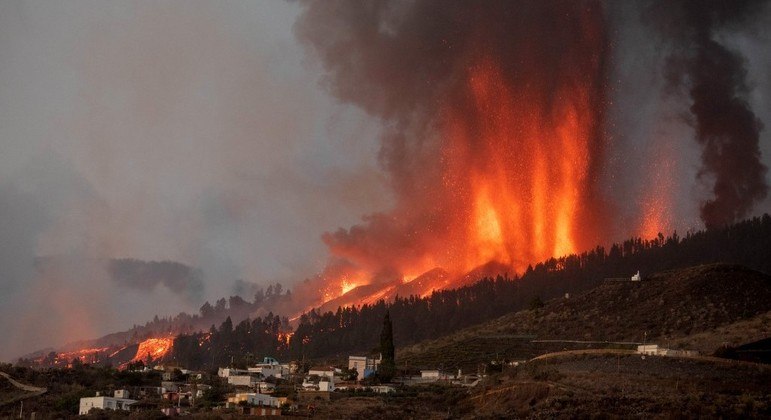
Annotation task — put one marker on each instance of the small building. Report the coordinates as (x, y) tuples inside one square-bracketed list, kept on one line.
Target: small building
[(319, 383), (327, 371), (227, 372), (637, 276), (255, 399), (655, 350), (326, 384), (105, 403), (363, 365), (243, 380), (271, 367), (433, 375), (383, 389)]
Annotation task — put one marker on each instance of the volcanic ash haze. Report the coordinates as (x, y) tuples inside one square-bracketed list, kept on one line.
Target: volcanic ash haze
[(494, 120)]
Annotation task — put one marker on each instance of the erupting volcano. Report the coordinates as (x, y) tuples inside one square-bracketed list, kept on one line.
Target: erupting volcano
[(493, 135)]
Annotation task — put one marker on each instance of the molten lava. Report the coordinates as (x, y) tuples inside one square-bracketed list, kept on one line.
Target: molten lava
[(526, 181), (153, 348)]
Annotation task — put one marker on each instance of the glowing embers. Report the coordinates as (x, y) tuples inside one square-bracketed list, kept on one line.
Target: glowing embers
[(347, 285)]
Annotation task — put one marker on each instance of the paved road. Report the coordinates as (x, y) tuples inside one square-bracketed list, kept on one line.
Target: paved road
[(586, 351)]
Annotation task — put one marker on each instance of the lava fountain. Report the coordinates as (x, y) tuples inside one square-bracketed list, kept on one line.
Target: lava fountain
[(492, 140)]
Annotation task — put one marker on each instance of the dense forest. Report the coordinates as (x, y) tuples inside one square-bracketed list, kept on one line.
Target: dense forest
[(357, 329), (240, 346)]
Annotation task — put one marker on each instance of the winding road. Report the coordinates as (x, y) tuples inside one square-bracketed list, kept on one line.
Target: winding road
[(34, 390)]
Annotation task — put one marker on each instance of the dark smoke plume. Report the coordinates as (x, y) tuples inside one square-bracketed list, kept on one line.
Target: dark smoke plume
[(147, 275), (716, 80), (439, 75)]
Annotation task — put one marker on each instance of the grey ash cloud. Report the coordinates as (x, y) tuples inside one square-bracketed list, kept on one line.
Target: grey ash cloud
[(715, 78), (147, 275)]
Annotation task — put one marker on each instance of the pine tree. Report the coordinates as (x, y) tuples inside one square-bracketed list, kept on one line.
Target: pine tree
[(387, 368)]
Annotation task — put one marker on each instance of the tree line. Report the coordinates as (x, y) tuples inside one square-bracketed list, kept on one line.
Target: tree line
[(357, 329)]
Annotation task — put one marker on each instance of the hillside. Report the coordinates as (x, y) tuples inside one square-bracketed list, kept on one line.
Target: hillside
[(329, 333), (625, 386), (666, 308), (610, 385)]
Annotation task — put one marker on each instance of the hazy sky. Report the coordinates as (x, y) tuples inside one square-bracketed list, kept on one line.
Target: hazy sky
[(143, 129), (200, 132)]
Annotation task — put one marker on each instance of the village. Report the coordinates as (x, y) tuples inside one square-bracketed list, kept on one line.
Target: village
[(273, 388), (270, 388)]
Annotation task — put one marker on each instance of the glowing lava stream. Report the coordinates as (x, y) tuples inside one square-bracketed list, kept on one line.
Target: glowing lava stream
[(155, 348)]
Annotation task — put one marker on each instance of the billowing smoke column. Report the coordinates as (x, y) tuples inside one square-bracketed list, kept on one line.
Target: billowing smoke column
[(493, 115), (715, 78)]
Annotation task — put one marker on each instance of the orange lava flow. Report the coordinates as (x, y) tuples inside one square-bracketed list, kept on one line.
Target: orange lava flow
[(90, 355), (154, 348)]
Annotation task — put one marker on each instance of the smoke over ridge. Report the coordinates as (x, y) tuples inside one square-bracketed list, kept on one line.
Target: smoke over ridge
[(715, 78)]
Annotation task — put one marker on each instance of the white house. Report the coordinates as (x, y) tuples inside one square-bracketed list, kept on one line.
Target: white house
[(383, 389), (327, 371), (365, 366), (106, 403), (253, 398), (649, 349), (655, 350), (319, 382), (275, 370), (227, 372), (637, 276), (327, 384), (434, 375), (243, 380)]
